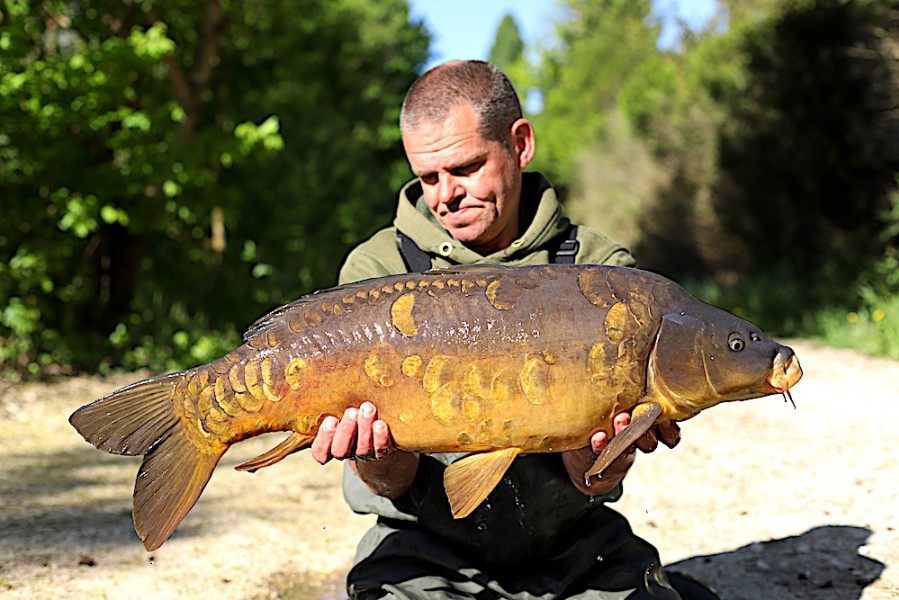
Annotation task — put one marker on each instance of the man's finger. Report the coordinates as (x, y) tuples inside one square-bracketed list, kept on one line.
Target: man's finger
[(321, 445), (598, 441), (669, 433), (364, 445), (648, 441), (344, 443), (621, 421), (383, 443)]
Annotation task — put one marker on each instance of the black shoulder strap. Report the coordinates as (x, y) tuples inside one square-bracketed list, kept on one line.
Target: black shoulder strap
[(416, 259), (566, 251)]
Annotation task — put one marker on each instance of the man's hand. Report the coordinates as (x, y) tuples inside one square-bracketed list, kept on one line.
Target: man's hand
[(578, 462), (358, 435), (362, 437)]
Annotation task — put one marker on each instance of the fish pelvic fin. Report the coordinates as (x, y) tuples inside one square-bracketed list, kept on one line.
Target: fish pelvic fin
[(140, 419), (642, 418), (293, 443), (470, 480)]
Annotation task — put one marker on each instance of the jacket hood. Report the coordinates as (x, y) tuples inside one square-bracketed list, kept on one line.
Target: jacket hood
[(539, 204)]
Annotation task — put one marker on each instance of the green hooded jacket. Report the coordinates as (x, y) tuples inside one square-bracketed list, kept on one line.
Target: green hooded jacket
[(380, 254)]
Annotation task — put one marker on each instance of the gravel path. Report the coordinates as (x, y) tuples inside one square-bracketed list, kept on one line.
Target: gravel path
[(759, 500)]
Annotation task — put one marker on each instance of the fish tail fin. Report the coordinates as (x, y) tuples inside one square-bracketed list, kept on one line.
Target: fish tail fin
[(130, 420), (140, 419), (171, 479)]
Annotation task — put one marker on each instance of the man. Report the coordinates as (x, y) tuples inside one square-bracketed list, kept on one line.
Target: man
[(543, 532)]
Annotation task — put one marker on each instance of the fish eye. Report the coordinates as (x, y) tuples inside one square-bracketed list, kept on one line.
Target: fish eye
[(735, 343)]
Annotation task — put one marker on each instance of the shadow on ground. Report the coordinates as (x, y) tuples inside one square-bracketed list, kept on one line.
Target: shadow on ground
[(822, 563), (57, 500)]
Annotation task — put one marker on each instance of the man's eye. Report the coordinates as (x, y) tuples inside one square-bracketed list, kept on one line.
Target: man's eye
[(429, 178), (468, 169)]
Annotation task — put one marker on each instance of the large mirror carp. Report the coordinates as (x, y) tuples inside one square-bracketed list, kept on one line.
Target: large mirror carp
[(496, 361)]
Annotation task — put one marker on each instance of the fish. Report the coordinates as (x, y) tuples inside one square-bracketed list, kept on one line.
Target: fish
[(489, 360)]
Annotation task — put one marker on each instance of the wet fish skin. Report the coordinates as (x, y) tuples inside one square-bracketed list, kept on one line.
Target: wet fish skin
[(493, 360)]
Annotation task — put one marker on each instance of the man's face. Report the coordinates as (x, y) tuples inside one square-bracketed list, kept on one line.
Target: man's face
[(471, 184)]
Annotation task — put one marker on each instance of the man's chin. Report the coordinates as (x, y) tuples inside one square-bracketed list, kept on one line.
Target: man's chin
[(464, 230), (469, 235)]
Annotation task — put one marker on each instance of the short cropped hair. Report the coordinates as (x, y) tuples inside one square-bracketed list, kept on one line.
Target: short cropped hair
[(477, 83)]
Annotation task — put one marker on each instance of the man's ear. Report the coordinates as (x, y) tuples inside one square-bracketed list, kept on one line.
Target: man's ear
[(523, 141)]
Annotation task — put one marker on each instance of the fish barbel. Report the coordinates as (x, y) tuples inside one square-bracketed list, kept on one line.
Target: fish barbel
[(495, 361)]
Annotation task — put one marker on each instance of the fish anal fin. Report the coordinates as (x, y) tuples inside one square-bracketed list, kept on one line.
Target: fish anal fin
[(294, 442), (169, 482), (642, 418), (469, 480)]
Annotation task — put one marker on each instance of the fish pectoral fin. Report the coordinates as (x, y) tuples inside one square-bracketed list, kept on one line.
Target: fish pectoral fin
[(294, 442), (469, 480), (642, 418)]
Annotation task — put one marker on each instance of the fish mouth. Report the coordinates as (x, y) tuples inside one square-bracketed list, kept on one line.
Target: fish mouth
[(785, 373)]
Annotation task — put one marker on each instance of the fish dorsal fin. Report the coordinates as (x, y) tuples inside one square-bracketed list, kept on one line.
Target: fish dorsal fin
[(468, 481), (294, 442), (270, 320), (642, 418), (482, 269), (335, 295)]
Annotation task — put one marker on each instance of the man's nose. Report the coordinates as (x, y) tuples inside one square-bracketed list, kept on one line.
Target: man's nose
[(449, 188)]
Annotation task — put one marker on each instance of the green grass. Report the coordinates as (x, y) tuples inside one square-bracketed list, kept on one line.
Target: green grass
[(872, 329), (863, 319)]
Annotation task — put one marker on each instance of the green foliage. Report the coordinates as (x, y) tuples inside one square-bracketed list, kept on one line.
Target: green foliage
[(507, 48), (808, 151), (616, 180), (871, 322), (773, 142), (637, 137), (883, 278), (507, 52), (864, 318), (171, 170), (776, 300), (600, 46), (758, 159), (872, 329), (650, 91)]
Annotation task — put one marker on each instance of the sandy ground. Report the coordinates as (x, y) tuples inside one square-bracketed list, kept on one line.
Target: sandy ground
[(760, 500)]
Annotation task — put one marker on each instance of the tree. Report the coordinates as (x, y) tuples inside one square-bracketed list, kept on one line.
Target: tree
[(809, 151), (600, 45), (507, 52), (172, 169), (507, 48)]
